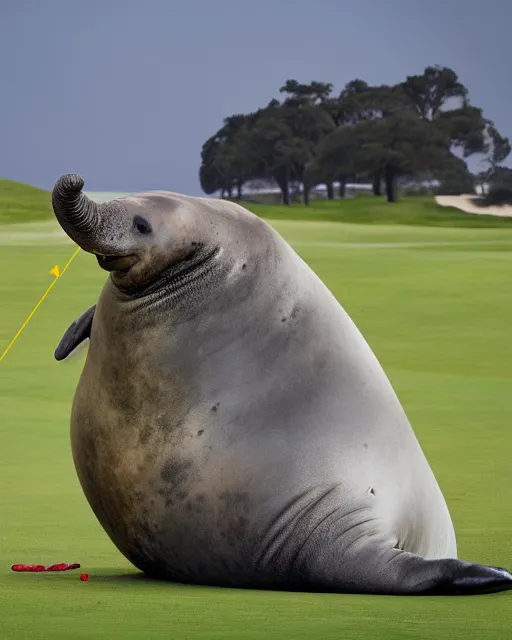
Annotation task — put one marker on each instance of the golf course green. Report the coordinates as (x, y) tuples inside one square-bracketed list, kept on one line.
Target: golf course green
[(435, 305)]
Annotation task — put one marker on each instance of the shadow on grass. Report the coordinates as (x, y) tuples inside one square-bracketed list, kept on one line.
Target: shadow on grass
[(135, 578), (124, 577)]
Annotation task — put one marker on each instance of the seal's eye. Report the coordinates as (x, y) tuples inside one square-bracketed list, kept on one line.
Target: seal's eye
[(142, 225)]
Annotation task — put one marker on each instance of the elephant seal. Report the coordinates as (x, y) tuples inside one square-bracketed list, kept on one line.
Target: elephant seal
[(231, 426)]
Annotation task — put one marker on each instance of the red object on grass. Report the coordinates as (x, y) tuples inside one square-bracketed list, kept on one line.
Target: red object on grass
[(36, 568), (84, 577)]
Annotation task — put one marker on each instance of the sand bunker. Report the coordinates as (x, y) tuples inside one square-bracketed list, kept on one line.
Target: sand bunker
[(465, 203)]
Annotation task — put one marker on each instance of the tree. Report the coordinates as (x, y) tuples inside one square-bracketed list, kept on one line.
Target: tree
[(398, 145), (500, 188), (271, 148), (223, 166), (379, 132), (309, 121), (359, 102), (341, 110), (213, 172), (430, 91), (454, 176), (373, 137), (314, 93), (466, 129), (498, 147), (337, 153), (470, 133)]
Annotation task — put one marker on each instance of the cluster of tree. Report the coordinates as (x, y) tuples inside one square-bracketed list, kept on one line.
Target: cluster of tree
[(424, 126), (499, 187)]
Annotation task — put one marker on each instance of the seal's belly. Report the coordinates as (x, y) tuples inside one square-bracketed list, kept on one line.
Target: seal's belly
[(159, 486), (183, 494)]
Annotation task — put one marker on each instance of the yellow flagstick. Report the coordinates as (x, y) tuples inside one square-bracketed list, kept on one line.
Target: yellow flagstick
[(55, 272)]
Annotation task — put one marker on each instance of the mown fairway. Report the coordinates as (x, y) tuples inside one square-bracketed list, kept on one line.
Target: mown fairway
[(436, 307)]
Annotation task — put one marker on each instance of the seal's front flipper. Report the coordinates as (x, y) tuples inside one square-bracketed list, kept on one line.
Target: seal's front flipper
[(77, 332)]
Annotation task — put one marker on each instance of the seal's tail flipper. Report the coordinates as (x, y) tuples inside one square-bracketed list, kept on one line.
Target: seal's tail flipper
[(449, 577), (404, 573), (379, 570)]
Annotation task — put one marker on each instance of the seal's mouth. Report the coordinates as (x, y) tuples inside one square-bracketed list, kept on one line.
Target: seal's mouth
[(123, 264)]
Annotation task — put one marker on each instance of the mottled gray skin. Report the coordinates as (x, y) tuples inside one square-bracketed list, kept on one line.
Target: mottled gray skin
[(234, 428)]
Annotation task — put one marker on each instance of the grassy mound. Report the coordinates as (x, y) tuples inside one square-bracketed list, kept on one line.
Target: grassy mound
[(22, 203)]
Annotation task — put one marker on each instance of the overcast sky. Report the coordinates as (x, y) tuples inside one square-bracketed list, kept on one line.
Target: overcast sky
[(125, 92)]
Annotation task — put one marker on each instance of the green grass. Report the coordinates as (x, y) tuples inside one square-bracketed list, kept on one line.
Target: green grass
[(438, 316), (410, 210), (22, 203)]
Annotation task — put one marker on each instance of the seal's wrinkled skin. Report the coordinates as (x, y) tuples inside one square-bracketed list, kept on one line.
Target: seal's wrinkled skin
[(231, 426)]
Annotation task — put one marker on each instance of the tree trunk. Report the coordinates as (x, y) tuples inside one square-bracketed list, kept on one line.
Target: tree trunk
[(376, 183), (284, 185), (305, 192), (230, 192), (285, 188), (239, 191), (390, 186), (342, 188), (223, 193), (330, 191)]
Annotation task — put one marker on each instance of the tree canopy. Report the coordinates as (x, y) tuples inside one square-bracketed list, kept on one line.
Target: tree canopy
[(422, 126)]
